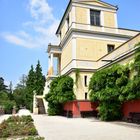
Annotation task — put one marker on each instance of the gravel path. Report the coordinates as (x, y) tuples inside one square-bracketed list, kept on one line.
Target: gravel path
[(61, 128)]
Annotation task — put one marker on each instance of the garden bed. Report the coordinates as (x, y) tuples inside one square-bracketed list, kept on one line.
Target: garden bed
[(19, 127)]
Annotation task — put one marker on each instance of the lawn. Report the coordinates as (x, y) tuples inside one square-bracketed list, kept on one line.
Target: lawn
[(19, 127)]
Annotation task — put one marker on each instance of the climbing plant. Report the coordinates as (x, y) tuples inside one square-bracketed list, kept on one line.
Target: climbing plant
[(105, 87), (77, 76), (113, 86), (61, 91)]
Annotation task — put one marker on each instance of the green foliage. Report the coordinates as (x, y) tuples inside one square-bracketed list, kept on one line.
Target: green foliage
[(25, 119), (132, 90), (106, 86), (35, 81), (39, 80), (113, 86), (77, 76), (17, 126), (3, 87), (109, 110), (61, 91), (6, 103)]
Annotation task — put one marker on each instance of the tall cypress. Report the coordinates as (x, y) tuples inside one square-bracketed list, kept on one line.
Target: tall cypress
[(39, 80), (30, 87)]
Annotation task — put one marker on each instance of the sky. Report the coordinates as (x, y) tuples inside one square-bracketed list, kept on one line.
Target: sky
[(28, 26)]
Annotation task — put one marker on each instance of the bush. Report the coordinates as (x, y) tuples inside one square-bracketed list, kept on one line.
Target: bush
[(8, 106), (17, 126), (61, 91), (106, 87)]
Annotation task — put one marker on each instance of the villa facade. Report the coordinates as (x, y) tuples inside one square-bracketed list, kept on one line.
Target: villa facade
[(90, 39)]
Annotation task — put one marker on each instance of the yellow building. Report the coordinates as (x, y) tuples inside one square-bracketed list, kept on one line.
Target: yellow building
[(90, 39)]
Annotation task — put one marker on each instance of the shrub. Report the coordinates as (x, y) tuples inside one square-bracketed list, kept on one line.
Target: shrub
[(105, 87), (17, 126), (8, 106), (61, 91)]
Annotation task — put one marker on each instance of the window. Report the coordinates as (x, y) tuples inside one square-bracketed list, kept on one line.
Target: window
[(95, 17), (85, 81), (60, 34), (86, 94), (110, 48), (68, 22)]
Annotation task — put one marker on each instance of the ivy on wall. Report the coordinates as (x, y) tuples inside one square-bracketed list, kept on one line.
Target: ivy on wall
[(61, 91), (105, 87), (113, 86), (77, 76)]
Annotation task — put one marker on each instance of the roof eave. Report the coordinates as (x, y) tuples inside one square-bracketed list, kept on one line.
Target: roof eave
[(63, 16)]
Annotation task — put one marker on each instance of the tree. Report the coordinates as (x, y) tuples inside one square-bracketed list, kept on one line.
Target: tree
[(3, 87), (30, 87), (5, 101), (22, 82), (20, 97), (39, 80), (30, 83), (11, 91)]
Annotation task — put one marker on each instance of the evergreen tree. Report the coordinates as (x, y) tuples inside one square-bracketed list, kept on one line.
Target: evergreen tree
[(39, 80), (30, 83), (30, 87), (3, 87)]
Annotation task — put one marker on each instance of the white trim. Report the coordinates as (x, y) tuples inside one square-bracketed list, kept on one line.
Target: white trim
[(102, 18), (94, 7), (73, 14), (74, 49), (100, 37), (68, 67), (81, 65), (88, 18), (86, 64), (109, 5), (116, 21)]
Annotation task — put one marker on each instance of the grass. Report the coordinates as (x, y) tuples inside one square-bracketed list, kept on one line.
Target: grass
[(16, 126)]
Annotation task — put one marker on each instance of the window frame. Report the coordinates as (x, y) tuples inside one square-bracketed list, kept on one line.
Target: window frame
[(95, 16), (112, 49), (86, 96), (85, 80)]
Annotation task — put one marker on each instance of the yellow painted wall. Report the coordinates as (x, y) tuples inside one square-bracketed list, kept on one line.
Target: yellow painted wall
[(81, 15), (63, 30), (66, 55), (91, 49), (109, 19), (80, 90)]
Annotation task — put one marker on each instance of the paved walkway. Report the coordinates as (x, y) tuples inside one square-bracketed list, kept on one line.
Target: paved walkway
[(4, 117), (61, 128)]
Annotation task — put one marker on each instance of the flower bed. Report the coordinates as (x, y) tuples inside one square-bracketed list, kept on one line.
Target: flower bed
[(16, 126)]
